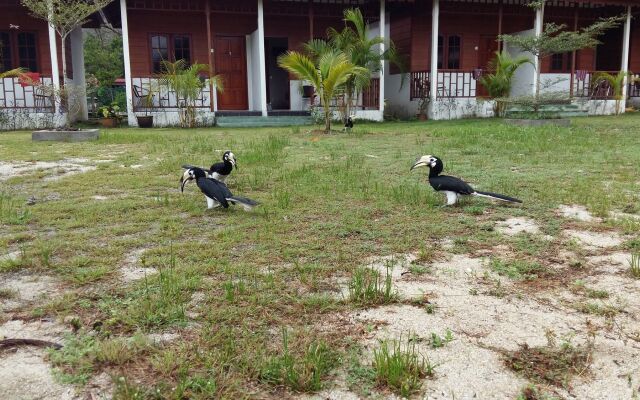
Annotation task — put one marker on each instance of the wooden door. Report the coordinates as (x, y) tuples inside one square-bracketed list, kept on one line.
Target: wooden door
[(486, 53), (231, 64)]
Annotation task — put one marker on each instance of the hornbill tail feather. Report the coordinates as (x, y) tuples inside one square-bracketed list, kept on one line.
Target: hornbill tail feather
[(245, 202), (497, 196)]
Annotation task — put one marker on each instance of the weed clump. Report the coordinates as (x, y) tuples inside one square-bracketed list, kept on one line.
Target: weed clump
[(367, 287), (399, 366), (551, 364), (301, 372)]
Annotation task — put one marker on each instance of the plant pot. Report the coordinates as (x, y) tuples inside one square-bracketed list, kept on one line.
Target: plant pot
[(145, 121), (422, 117), (109, 122)]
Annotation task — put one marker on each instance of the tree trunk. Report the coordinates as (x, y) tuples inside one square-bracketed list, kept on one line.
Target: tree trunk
[(538, 78), (327, 119), (64, 94)]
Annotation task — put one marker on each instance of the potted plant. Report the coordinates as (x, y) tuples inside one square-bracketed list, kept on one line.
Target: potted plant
[(187, 82), (423, 105), (109, 114), (146, 120), (497, 82)]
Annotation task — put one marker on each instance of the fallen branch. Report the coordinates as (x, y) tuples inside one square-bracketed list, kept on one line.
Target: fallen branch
[(6, 343)]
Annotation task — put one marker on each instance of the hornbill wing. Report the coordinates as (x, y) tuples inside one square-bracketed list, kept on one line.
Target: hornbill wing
[(217, 167), (450, 183), (215, 190)]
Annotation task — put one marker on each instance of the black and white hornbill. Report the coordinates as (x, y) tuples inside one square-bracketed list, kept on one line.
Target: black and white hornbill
[(348, 122), (221, 170), (451, 186), (216, 192)]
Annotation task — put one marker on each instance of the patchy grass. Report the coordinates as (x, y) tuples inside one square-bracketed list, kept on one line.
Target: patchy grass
[(551, 364), (325, 209), (634, 265), (518, 269), (368, 288), (535, 392), (300, 372), (399, 366)]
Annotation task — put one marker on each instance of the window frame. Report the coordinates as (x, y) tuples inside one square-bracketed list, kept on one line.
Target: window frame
[(15, 54), (170, 47), (566, 63), (444, 51)]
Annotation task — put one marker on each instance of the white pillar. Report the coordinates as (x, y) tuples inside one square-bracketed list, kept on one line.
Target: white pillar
[(537, 27), (435, 16), (131, 117), (383, 28), (77, 57), (262, 60), (55, 70), (625, 57)]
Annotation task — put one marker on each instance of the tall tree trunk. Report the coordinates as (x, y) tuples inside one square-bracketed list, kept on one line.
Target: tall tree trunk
[(327, 119), (538, 75), (64, 94)]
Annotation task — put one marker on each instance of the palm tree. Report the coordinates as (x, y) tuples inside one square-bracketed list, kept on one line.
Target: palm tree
[(615, 82), (12, 73), (186, 81), (327, 72), (498, 82), (361, 49)]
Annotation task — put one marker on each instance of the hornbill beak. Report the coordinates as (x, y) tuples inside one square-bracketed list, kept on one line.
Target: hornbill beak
[(421, 162), (417, 165), (234, 163), (184, 179)]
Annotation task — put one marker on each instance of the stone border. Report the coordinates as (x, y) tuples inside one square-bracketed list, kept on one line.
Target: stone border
[(538, 122), (65, 136)]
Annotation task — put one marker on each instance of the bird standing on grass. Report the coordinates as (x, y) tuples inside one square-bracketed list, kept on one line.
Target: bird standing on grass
[(451, 186), (348, 123), (216, 192), (221, 170)]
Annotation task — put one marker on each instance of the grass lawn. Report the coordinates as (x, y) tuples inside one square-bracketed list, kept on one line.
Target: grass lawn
[(258, 299)]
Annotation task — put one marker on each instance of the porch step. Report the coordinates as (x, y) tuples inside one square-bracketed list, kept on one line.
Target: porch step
[(559, 110), (252, 121)]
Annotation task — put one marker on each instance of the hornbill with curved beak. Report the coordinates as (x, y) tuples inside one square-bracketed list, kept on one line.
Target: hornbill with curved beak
[(221, 170), (216, 192), (451, 186)]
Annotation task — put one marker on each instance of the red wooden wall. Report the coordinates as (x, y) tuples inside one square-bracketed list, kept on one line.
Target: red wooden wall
[(411, 32), (18, 15)]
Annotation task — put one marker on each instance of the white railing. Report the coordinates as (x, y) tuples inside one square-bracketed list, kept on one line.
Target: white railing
[(162, 96), (23, 94)]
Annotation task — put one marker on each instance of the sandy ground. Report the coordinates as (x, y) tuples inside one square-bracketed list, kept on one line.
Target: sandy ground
[(24, 373), (461, 293), (132, 269), (55, 169), (485, 313)]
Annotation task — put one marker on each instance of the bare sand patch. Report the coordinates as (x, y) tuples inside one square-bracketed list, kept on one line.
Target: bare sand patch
[(464, 368), (577, 212), (24, 374), (163, 338), (11, 256), (615, 372), (132, 270), (516, 225), (614, 263), (595, 240), (27, 289), (56, 169), (623, 216)]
